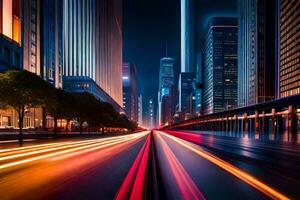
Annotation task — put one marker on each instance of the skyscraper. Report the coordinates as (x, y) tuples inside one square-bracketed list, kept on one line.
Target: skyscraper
[(31, 42), (130, 96), (187, 36), (150, 114), (289, 48), (10, 35), (52, 41), (256, 51), (166, 81), (220, 69), (185, 89), (92, 44)]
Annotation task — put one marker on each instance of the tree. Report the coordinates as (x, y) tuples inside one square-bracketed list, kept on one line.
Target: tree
[(21, 90)]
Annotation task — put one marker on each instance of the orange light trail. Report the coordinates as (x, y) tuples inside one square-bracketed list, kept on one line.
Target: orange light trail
[(73, 148), (267, 190)]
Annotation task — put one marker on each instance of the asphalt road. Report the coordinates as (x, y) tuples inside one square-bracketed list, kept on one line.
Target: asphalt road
[(85, 169), (219, 166)]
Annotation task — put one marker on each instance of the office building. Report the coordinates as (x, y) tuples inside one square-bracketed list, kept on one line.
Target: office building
[(256, 51), (166, 82), (10, 35), (51, 17), (130, 96), (92, 43), (31, 41), (187, 36), (185, 89), (289, 72), (220, 69)]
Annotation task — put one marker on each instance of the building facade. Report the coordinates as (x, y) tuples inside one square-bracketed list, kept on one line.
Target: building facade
[(187, 36), (256, 51), (166, 82), (289, 72), (130, 96), (220, 69), (52, 41), (140, 110), (10, 35), (31, 42), (185, 89), (92, 43)]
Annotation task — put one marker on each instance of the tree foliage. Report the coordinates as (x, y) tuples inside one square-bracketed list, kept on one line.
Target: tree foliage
[(21, 90)]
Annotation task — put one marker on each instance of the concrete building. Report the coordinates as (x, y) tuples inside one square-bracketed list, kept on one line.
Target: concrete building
[(220, 69), (130, 96), (289, 72), (256, 51)]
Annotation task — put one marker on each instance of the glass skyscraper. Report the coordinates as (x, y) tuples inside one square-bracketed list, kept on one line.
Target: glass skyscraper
[(166, 81), (187, 36), (256, 51), (289, 48), (92, 44), (220, 68), (51, 47)]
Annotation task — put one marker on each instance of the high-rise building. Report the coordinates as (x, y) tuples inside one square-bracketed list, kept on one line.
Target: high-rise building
[(220, 69), (130, 96), (140, 110), (10, 35), (92, 44), (51, 46), (166, 81), (150, 114), (187, 36), (256, 51), (31, 41), (198, 85), (185, 89), (289, 47)]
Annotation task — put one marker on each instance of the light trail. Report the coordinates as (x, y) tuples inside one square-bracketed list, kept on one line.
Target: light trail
[(15, 141), (128, 182), (259, 185), (20, 149), (187, 186), (56, 147), (92, 146)]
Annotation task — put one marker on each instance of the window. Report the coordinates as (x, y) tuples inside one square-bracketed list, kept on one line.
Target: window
[(7, 18), (1, 16)]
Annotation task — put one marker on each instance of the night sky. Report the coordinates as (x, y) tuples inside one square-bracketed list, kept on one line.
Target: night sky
[(148, 24)]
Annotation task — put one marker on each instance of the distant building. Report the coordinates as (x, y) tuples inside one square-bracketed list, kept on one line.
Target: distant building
[(150, 115), (51, 29), (256, 51), (220, 69), (185, 89), (89, 50), (130, 96), (289, 48), (166, 82), (198, 88), (140, 110)]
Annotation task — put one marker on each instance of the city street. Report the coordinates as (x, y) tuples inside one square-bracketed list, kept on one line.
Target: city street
[(189, 165)]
